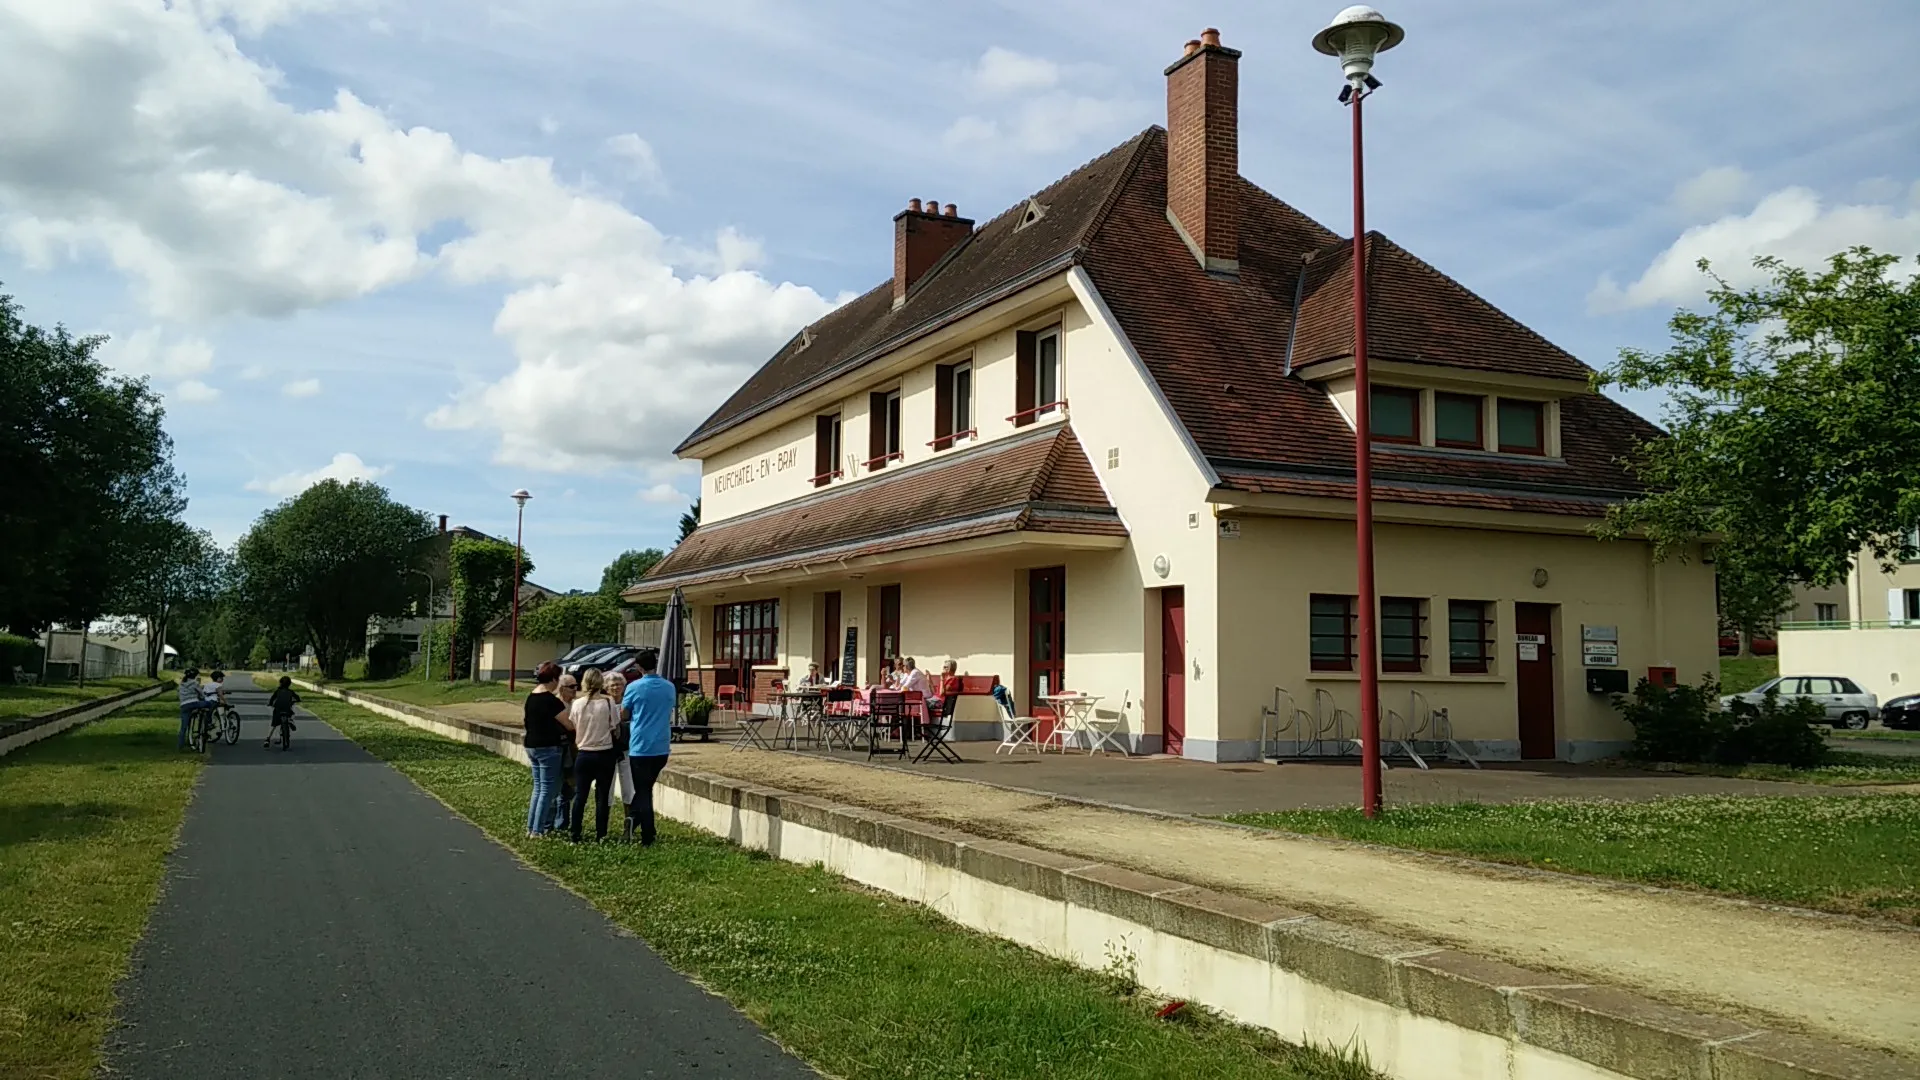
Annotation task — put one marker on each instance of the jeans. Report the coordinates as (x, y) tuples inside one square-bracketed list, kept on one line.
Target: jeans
[(593, 767), (543, 810), (645, 771), (187, 709)]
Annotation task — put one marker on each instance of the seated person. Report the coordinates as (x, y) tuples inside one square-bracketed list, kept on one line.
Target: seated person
[(949, 680), (813, 680), (912, 679)]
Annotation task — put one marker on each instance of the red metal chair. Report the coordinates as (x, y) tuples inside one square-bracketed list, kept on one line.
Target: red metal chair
[(728, 697)]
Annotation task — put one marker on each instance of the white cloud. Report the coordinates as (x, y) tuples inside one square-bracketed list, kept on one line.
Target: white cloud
[(254, 371), (1791, 223), (662, 493), (641, 162), (302, 388), (159, 145), (1714, 191), (147, 352), (344, 467), (194, 392), (1003, 71), (1027, 108)]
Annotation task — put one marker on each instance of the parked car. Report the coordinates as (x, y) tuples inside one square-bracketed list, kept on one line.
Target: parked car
[(1760, 646), (1846, 704), (1902, 713), (581, 652), (606, 658)]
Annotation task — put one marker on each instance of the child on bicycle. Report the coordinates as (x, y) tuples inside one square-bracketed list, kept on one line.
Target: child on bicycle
[(283, 700)]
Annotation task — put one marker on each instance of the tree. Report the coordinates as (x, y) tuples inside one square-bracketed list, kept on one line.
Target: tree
[(572, 619), (625, 572), (329, 559), (163, 565), (85, 457), (482, 574), (1794, 410), (689, 521)]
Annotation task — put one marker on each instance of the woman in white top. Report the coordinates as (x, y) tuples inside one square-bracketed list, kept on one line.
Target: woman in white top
[(591, 718)]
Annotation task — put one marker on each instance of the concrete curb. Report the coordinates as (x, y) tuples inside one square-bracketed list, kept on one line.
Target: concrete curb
[(1421, 1011), (25, 731)]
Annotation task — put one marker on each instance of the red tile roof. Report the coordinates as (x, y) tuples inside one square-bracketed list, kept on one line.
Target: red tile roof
[(1037, 482), (1219, 346)]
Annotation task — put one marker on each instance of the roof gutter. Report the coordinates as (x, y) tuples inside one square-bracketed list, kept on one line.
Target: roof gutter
[(905, 337)]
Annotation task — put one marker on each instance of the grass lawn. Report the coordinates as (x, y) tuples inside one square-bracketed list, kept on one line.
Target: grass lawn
[(428, 692), (36, 700), (1850, 854), (857, 983), (86, 820), (1877, 733), (1738, 676)]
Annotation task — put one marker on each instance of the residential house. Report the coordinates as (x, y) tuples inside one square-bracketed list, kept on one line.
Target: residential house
[(497, 653), (1104, 442), (1879, 647)]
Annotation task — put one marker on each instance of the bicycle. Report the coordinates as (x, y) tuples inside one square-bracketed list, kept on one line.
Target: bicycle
[(212, 724), (229, 724)]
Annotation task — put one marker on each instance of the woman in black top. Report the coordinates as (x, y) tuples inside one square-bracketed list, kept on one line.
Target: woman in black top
[(545, 742)]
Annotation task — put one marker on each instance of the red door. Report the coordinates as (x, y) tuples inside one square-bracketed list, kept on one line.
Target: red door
[(1533, 625), (828, 655), (1046, 640), (1173, 668), (889, 628)]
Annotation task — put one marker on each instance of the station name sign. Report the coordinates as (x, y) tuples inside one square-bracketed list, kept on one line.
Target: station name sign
[(769, 464)]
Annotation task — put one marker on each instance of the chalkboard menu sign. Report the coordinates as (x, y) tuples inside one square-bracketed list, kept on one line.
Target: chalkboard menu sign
[(850, 658)]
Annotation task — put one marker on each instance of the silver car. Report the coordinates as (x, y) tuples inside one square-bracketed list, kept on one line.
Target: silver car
[(1846, 704)]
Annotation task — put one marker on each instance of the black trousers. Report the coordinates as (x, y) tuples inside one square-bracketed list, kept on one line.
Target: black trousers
[(645, 771), (593, 767)]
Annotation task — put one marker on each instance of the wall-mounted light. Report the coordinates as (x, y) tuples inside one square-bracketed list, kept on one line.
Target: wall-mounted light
[(1162, 566), (1540, 577)]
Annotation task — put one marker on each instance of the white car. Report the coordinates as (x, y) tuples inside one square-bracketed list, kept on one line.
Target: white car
[(1846, 704)]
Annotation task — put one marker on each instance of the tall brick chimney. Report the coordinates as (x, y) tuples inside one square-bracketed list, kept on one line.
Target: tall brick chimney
[(921, 237), (1203, 151)]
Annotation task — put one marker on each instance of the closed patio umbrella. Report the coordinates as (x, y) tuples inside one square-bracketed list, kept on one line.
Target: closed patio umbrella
[(673, 644)]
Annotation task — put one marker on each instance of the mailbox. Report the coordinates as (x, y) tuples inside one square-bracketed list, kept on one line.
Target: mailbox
[(1663, 676), (1606, 681)]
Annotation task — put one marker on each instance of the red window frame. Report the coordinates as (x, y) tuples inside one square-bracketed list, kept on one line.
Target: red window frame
[(1399, 392), (1321, 607), (746, 633), (1479, 421), (1539, 410)]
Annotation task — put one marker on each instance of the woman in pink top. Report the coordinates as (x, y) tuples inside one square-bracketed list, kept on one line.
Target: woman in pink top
[(591, 718)]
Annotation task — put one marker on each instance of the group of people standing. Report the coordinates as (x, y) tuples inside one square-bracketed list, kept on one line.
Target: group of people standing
[(596, 732)]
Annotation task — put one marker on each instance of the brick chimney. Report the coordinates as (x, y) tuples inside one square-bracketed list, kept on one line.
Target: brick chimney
[(1203, 151), (921, 237), (443, 523)]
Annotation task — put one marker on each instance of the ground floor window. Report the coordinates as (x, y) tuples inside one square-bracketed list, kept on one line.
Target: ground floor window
[(1469, 636), (1330, 624), (1403, 638), (747, 633)]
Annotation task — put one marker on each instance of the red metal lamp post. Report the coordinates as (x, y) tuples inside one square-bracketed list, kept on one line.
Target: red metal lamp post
[(520, 497), (1355, 36)]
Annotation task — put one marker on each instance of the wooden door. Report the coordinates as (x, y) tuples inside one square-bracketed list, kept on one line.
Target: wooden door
[(1046, 640), (1533, 627), (828, 654), (1173, 668)]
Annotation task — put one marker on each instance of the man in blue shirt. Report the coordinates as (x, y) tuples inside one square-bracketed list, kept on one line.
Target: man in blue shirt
[(649, 703)]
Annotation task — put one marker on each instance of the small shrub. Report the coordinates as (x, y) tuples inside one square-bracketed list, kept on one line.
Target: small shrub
[(20, 652), (1774, 732), (697, 708), (387, 659), (1677, 723)]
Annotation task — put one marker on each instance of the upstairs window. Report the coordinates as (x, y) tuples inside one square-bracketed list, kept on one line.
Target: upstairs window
[(883, 429), (1395, 414), (1330, 621), (826, 449), (952, 404), (1036, 390), (1457, 421), (1523, 427)]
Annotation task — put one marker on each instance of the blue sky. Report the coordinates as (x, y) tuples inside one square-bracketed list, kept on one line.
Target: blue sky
[(469, 247)]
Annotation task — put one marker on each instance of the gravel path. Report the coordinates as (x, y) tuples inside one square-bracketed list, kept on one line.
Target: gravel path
[(324, 917)]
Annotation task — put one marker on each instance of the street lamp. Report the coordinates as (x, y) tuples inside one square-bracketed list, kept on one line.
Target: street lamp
[(520, 497), (1354, 36)]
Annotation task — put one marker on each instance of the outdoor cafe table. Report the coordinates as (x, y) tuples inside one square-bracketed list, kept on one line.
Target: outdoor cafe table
[(1075, 713), (801, 707)]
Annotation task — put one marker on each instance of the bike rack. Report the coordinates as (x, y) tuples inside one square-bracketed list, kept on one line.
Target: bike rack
[(1280, 717)]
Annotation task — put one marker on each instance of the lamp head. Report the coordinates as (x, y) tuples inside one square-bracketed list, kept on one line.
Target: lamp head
[(1354, 36), (521, 496)]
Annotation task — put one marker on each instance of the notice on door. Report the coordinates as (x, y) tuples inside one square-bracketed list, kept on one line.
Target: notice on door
[(1529, 650)]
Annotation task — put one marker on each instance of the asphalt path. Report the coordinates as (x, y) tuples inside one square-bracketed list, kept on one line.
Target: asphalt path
[(324, 917)]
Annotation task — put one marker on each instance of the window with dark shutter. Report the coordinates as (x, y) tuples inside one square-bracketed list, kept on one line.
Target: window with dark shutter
[(826, 449), (1026, 348), (942, 406), (883, 429)]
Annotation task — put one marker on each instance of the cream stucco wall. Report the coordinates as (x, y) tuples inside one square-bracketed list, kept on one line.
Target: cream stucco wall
[(1870, 585), (1664, 615), (1886, 662)]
